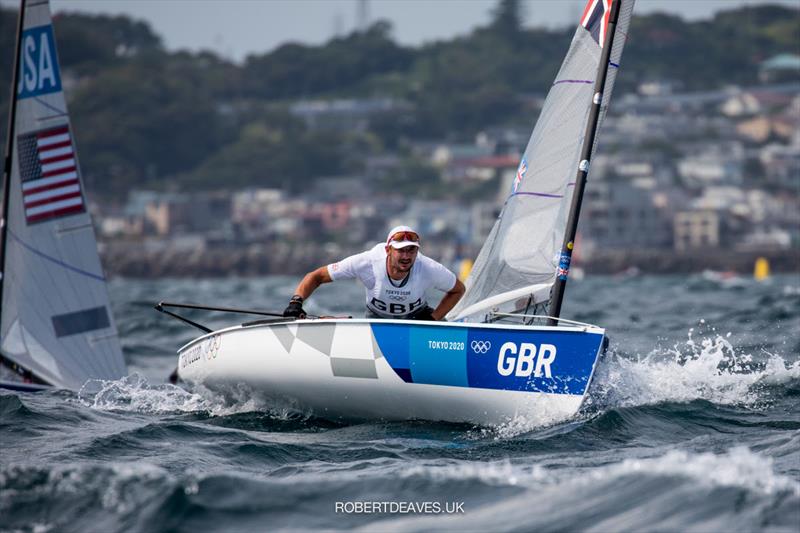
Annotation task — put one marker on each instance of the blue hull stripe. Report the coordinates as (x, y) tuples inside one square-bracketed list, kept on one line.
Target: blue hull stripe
[(558, 362)]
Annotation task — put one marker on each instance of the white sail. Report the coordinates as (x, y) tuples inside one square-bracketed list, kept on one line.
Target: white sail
[(523, 247), (56, 319)]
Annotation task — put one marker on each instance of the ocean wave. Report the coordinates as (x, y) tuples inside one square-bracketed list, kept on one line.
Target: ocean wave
[(11, 407), (738, 467), (710, 368), (135, 394), (141, 495), (791, 290), (672, 491), (86, 497), (492, 473)]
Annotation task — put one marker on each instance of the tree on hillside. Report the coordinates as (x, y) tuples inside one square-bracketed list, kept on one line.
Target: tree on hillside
[(140, 123), (265, 156), (297, 71), (109, 40), (709, 53), (507, 19)]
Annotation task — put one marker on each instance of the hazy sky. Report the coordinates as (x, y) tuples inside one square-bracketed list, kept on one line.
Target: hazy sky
[(235, 28)]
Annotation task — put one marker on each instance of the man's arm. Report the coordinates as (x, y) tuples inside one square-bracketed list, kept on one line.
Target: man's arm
[(449, 301), (309, 284), (311, 281)]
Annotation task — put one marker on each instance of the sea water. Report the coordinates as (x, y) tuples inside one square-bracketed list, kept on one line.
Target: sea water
[(692, 424)]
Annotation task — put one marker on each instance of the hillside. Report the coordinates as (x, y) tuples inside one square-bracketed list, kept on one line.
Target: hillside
[(145, 117)]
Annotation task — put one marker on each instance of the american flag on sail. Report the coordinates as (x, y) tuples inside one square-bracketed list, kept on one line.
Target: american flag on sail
[(49, 175), (595, 19)]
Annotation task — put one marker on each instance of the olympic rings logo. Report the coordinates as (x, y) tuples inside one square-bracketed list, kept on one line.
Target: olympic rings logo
[(480, 346), (211, 347)]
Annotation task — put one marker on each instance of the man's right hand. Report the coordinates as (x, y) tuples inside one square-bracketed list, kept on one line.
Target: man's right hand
[(295, 308)]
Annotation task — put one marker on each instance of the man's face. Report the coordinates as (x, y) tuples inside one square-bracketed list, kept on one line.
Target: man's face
[(402, 259)]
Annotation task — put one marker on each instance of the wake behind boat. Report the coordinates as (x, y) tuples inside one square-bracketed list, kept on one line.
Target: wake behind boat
[(56, 326), (505, 353)]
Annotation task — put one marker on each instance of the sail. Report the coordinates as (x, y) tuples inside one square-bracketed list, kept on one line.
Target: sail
[(519, 261), (56, 319)]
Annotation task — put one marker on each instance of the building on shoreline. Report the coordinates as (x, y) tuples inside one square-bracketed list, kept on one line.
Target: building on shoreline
[(717, 172)]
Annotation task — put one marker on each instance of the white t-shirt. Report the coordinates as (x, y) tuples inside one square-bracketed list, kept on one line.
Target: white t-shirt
[(390, 298)]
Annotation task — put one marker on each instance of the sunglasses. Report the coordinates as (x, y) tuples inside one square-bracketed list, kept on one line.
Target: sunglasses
[(401, 236)]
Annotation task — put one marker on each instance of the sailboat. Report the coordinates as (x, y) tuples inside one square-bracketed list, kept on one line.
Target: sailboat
[(505, 353), (56, 325)]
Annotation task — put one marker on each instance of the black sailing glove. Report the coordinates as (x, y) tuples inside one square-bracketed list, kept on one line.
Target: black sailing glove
[(295, 308), (425, 314)]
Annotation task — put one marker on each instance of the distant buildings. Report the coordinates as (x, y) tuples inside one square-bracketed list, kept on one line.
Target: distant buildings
[(696, 230), (626, 214), (691, 173), (346, 114)]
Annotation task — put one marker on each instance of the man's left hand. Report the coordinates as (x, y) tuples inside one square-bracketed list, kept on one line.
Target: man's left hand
[(425, 314), (295, 309)]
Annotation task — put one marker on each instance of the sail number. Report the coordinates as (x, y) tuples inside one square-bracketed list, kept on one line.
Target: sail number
[(38, 63)]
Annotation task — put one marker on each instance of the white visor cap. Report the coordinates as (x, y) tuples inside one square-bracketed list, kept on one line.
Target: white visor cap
[(402, 243)]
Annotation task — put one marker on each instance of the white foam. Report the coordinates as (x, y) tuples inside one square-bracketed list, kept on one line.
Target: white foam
[(493, 473), (134, 394), (738, 467), (791, 290), (496, 473), (35, 527), (520, 425), (711, 369)]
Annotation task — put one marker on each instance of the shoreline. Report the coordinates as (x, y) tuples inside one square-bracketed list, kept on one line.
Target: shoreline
[(297, 260)]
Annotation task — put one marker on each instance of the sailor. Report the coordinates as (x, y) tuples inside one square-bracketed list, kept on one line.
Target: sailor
[(396, 277)]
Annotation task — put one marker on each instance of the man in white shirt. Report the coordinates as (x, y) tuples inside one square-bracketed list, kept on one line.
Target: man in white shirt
[(396, 277)]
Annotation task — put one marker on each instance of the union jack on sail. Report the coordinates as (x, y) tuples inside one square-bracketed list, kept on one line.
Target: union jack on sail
[(521, 170), (595, 19), (49, 175)]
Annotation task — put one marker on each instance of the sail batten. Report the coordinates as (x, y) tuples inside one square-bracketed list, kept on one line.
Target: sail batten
[(523, 248), (56, 321)]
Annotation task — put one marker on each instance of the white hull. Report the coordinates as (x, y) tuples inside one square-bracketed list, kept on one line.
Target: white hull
[(400, 370)]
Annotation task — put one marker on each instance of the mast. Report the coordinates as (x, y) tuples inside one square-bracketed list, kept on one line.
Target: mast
[(12, 117), (583, 168)]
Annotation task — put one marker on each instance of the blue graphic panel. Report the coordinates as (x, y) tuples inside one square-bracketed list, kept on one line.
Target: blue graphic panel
[(438, 355), (39, 73), (557, 362), (392, 339)]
